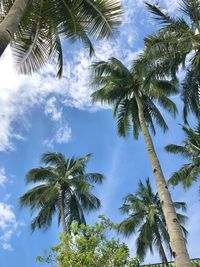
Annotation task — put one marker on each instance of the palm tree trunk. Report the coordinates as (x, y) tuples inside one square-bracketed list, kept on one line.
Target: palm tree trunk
[(62, 212), (11, 22), (177, 242), (161, 249)]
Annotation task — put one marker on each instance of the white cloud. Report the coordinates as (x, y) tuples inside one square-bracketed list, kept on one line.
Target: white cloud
[(172, 5), (7, 217), (52, 110), (20, 94), (62, 136), (7, 246), (63, 132), (8, 225), (131, 7), (2, 176)]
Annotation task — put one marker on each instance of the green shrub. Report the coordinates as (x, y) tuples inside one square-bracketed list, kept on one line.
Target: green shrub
[(89, 246)]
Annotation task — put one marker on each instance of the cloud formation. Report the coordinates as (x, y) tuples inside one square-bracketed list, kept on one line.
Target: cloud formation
[(52, 110), (2, 176), (62, 135), (20, 94), (8, 225)]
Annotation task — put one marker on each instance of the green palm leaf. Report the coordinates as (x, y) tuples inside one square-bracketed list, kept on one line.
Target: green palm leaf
[(189, 172), (177, 40), (35, 34)]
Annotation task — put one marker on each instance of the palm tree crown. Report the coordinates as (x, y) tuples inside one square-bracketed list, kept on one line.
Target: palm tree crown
[(35, 28), (189, 172), (177, 44), (145, 218), (63, 187), (119, 86)]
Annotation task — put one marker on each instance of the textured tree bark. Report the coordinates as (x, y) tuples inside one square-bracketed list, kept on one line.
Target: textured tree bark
[(62, 211), (177, 242), (11, 22)]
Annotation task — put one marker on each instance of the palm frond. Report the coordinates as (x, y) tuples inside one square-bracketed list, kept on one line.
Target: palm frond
[(89, 201), (180, 205), (160, 88), (191, 94), (103, 16), (53, 159), (56, 51), (32, 42), (162, 17), (134, 118), (158, 242), (36, 196), (73, 211), (155, 113), (187, 175), (123, 118), (182, 218), (93, 177), (77, 166), (4, 8), (129, 225), (41, 175), (45, 215), (144, 240), (176, 149), (191, 9)]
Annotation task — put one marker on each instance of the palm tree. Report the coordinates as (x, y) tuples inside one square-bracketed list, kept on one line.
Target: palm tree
[(34, 28), (145, 217), (177, 44), (134, 99), (189, 172), (62, 187)]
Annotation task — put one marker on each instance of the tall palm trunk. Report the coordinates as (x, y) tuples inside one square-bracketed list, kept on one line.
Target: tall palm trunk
[(177, 242), (161, 249), (62, 210), (11, 22)]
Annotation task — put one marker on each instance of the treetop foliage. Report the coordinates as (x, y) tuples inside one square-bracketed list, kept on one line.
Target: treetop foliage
[(90, 246)]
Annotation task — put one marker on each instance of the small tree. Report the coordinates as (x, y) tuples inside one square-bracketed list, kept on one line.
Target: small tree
[(89, 246)]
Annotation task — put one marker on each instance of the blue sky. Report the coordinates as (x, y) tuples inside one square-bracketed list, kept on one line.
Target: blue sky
[(41, 113)]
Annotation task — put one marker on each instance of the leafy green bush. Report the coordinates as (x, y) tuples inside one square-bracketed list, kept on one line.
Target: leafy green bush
[(89, 246)]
